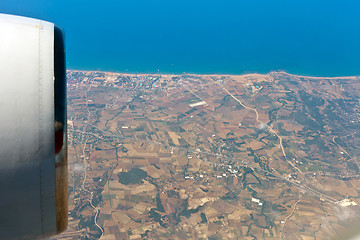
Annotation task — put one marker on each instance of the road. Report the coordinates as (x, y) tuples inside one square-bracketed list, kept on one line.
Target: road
[(343, 150), (282, 235), (97, 211)]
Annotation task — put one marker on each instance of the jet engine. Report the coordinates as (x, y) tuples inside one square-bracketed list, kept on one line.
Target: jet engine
[(33, 137)]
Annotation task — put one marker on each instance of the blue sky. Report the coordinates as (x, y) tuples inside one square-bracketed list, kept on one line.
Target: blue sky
[(204, 36)]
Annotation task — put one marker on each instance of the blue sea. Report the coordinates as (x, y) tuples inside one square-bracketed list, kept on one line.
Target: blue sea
[(317, 38)]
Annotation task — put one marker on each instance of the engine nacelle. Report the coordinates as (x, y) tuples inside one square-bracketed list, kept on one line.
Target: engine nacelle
[(33, 137)]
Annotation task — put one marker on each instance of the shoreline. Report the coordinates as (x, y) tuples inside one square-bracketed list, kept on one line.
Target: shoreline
[(271, 73)]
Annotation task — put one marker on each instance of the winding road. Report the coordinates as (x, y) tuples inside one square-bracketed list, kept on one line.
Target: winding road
[(268, 127)]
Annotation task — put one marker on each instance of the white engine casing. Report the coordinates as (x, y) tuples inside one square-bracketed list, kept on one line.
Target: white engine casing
[(27, 153)]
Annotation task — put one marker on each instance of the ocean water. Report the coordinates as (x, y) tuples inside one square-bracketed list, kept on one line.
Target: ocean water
[(317, 38)]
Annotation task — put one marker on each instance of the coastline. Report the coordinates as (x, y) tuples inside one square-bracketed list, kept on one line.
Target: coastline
[(271, 73)]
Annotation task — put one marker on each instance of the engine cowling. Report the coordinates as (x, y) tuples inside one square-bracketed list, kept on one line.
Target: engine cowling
[(33, 137)]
